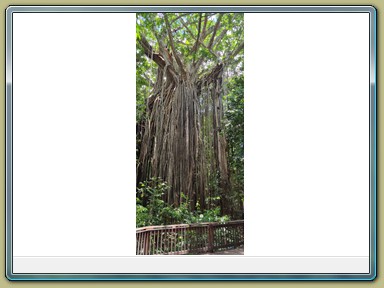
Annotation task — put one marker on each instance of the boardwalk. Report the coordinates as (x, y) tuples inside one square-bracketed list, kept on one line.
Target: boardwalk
[(237, 251), (192, 239)]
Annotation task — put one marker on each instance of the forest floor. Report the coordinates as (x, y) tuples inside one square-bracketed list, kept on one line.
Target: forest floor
[(238, 251)]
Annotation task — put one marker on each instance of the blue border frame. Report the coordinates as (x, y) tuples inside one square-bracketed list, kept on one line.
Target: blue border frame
[(197, 277)]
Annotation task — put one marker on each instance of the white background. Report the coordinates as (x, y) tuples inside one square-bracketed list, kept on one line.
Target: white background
[(306, 135), (73, 134)]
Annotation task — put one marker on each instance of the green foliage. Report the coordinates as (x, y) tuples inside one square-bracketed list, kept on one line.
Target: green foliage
[(151, 209), (235, 138), (235, 116), (212, 215)]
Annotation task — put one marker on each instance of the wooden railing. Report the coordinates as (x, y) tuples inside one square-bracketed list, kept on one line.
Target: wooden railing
[(189, 238)]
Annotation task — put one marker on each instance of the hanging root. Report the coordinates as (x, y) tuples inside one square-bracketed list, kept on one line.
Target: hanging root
[(183, 141)]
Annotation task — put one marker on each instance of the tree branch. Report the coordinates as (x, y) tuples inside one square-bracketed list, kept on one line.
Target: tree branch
[(178, 17), (235, 52), (208, 31), (156, 57), (238, 49), (210, 76), (172, 45), (196, 46), (215, 30), (149, 51), (204, 26), (197, 40), (219, 38)]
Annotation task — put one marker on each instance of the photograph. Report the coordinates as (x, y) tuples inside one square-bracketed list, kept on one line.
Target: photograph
[(190, 134)]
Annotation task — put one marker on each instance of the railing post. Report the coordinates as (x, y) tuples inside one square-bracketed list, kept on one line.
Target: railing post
[(210, 238), (146, 243)]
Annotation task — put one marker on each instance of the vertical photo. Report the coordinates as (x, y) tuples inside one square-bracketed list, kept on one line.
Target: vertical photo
[(189, 133)]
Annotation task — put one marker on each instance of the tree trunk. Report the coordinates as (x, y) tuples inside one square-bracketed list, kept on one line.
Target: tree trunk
[(183, 142)]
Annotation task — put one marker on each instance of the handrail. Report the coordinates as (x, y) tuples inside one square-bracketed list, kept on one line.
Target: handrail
[(189, 238), (160, 227)]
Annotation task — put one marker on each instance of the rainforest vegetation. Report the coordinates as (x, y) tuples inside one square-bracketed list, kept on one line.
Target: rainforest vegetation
[(189, 117)]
